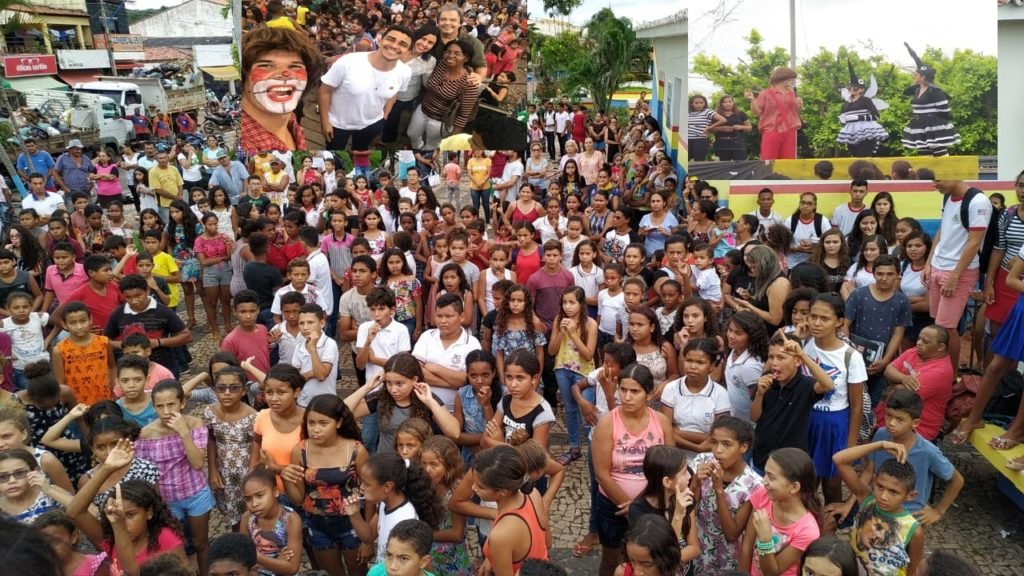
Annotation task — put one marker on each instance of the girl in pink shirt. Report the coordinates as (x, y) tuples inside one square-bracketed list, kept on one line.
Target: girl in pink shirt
[(779, 110), (214, 252)]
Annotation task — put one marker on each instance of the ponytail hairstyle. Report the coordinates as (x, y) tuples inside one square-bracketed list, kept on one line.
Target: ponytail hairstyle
[(798, 467), (408, 479), (502, 468), (407, 366)]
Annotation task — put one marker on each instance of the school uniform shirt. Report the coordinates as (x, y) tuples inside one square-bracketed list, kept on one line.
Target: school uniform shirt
[(953, 235), (429, 348), (741, 373), (327, 350), (589, 281), (766, 222), (313, 296), (805, 231), (390, 340), (287, 343), (844, 216), (608, 309), (695, 411), (320, 276), (833, 362)]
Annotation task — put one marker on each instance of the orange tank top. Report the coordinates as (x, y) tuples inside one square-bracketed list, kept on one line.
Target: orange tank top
[(538, 542)]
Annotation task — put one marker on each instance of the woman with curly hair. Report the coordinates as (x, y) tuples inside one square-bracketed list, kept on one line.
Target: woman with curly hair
[(516, 327), (134, 525), (747, 340)]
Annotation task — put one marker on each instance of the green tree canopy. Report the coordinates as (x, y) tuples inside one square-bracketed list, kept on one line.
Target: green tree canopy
[(968, 77), (563, 7)]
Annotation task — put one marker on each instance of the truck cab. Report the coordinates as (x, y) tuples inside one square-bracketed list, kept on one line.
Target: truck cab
[(124, 94)]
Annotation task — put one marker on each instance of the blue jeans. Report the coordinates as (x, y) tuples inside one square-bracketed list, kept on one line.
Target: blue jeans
[(481, 197), (566, 378), (20, 382), (371, 431)]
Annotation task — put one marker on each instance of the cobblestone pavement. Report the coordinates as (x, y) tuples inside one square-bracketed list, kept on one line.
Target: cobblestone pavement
[(983, 524)]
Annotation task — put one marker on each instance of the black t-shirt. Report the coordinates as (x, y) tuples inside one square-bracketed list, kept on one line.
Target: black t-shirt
[(732, 140), (739, 279), (158, 322), (264, 280), (785, 411)]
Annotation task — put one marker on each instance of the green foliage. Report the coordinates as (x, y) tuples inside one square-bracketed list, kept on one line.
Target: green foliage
[(968, 77), (137, 15), (562, 7)]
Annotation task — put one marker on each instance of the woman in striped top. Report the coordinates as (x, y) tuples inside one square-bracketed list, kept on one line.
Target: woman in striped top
[(450, 81), (701, 121)]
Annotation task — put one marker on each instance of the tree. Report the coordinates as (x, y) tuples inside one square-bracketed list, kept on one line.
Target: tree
[(605, 56), (968, 77), (563, 7)]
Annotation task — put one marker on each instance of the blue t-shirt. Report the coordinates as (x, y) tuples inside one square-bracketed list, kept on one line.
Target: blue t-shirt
[(41, 163), (876, 320), (927, 460)]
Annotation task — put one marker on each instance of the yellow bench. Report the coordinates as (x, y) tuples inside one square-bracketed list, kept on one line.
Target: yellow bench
[(1010, 482)]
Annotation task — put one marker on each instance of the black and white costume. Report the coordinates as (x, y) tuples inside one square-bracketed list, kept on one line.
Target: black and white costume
[(861, 132), (930, 130)]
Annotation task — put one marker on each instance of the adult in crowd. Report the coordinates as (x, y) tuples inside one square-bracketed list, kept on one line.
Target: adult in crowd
[(33, 160), (925, 369), (448, 87), (778, 111), (421, 61)]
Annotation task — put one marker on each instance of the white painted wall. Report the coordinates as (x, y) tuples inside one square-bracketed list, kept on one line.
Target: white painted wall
[(1011, 86), (193, 19)]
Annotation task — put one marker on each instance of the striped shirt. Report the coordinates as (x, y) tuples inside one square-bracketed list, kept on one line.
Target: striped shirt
[(698, 122), (441, 92), (1013, 239)]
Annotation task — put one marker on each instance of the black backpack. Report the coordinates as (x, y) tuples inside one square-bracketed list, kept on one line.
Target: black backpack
[(818, 220), (991, 233)]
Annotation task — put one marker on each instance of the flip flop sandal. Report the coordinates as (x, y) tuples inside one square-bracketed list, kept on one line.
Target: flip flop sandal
[(579, 550), (1001, 443), (1016, 464), (569, 457), (958, 436)]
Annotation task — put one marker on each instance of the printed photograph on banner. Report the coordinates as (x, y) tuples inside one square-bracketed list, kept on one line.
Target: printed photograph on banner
[(783, 80), (607, 82), (362, 76)]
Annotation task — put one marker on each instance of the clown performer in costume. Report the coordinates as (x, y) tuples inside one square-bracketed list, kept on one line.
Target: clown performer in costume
[(930, 130), (861, 132), (277, 65)]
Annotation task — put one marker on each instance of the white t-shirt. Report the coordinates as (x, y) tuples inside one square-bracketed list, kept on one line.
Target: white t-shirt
[(768, 221), (843, 217), (287, 344), (27, 339), (430, 349), (805, 231), (953, 236), (405, 192), (513, 172), (387, 520), (360, 90), (911, 284), (608, 310), (390, 340), (320, 276), (569, 250), (275, 306), (589, 281), (695, 412), (327, 350), (833, 362), (859, 276), (550, 232), (742, 372), (561, 119), (286, 157), (45, 207), (193, 172), (709, 284)]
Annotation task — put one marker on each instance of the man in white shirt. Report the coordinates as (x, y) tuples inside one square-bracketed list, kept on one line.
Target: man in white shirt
[(549, 127), (563, 122), (443, 350), (952, 273), (360, 88), (412, 184), (844, 216), (766, 217), (380, 338), (319, 267), (43, 202)]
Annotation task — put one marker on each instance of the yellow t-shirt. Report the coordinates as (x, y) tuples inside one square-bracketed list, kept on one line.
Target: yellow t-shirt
[(458, 141), (300, 15), (165, 179), (165, 266), (281, 22), (479, 171)]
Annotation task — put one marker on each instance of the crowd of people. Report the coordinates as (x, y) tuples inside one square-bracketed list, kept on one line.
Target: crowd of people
[(718, 373), (720, 133), (421, 76)]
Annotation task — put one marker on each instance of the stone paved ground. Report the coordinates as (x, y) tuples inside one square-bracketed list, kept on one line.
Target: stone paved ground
[(983, 525)]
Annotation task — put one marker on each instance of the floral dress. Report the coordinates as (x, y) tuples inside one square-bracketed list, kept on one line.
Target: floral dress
[(513, 340), (184, 256), (717, 555), (234, 439), (405, 291), (450, 558), (75, 463), (139, 469)]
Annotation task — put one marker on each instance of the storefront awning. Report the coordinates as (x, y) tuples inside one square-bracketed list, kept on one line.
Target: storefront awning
[(36, 83), (72, 77), (223, 73)]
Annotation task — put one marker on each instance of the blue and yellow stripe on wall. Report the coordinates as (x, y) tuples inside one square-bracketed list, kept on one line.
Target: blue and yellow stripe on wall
[(915, 198)]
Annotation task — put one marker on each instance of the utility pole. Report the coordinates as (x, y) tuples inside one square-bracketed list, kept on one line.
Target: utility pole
[(106, 29), (792, 34)]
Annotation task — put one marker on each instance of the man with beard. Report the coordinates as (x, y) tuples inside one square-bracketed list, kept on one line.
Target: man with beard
[(278, 62), (360, 89)]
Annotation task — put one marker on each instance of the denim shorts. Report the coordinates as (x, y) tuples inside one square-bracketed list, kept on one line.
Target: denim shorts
[(327, 532), (218, 274), (194, 506), (611, 529)]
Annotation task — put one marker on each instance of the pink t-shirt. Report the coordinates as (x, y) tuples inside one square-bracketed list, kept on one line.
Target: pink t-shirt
[(244, 344), (452, 173), (629, 450), (167, 540), (799, 534), (936, 379), (216, 247)]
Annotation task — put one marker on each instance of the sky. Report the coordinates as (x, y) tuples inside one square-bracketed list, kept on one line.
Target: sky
[(832, 23), (636, 10)]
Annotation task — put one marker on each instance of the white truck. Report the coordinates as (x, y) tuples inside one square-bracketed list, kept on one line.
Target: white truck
[(92, 119), (140, 93)]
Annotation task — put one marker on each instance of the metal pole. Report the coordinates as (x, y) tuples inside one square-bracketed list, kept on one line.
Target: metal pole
[(106, 28), (792, 34)]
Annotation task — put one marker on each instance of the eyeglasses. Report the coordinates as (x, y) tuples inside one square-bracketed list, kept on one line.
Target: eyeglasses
[(234, 388), (6, 477)]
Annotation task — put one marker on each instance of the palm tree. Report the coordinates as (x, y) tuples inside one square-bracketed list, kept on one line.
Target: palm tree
[(612, 50)]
